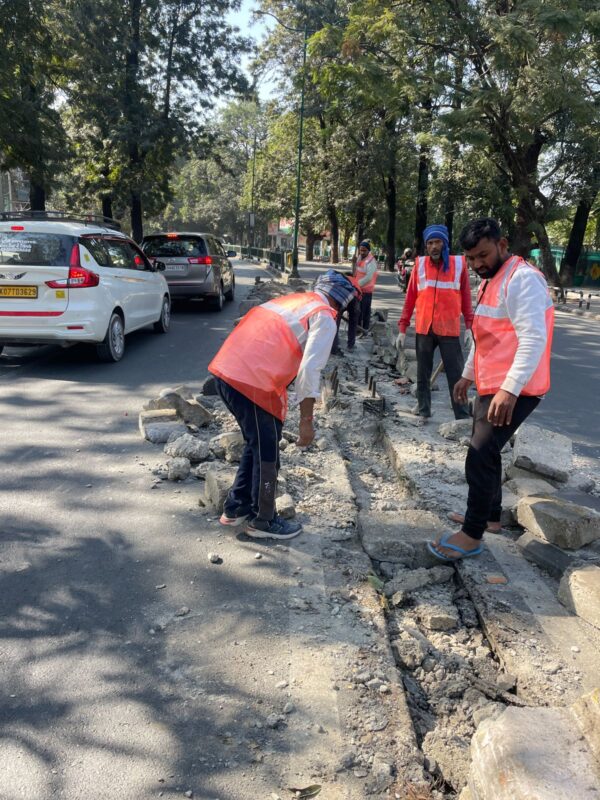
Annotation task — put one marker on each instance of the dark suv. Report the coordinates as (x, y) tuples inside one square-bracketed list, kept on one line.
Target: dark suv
[(196, 265)]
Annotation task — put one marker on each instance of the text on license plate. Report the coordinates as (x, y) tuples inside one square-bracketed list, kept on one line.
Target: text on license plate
[(18, 291), (176, 268)]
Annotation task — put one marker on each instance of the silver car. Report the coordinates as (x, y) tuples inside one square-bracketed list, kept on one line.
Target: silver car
[(196, 265)]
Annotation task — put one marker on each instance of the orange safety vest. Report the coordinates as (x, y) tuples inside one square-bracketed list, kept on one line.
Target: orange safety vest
[(495, 337), (439, 300), (361, 271), (262, 355)]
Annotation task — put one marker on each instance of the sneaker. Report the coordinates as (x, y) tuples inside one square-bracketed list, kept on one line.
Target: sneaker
[(232, 520), (278, 528)]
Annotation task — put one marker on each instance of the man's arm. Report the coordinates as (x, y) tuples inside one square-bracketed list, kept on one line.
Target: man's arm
[(321, 334), (409, 302)]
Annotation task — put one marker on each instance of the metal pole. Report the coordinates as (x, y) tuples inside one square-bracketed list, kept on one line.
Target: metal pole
[(253, 217), (295, 273)]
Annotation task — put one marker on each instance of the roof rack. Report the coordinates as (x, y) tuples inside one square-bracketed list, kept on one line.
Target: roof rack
[(61, 216)]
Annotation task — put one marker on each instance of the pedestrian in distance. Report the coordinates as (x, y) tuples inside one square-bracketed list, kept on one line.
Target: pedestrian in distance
[(510, 364), (439, 288), (280, 341), (366, 272), (404, 266)]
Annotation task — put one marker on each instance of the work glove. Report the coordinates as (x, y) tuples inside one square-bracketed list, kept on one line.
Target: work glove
[(400, 339)]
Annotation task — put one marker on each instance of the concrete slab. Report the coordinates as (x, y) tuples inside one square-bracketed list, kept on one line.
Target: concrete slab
[(579, 591), (547, 556), (543, 451), (531, 753), (526, 487), (558, 521), (400, 537)]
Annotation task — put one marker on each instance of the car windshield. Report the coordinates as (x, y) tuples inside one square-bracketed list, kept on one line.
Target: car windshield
[(174, 247), (35, 249)]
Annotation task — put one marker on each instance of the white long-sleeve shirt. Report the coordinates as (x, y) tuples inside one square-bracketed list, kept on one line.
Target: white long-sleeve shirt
[(321, 333), (526, 299)]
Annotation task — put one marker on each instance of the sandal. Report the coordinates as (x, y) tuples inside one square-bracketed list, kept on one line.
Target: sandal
[(445, 543)]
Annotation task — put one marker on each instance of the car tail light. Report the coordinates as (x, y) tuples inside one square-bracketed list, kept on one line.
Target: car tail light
[(200, 260), (139, 261), (17, 227), (79, 277), (172, 236)]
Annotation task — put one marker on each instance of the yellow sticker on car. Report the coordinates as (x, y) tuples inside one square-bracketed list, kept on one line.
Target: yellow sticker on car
[(60, 294)]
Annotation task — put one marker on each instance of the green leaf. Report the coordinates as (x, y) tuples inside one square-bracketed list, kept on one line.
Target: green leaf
[(376, 583)]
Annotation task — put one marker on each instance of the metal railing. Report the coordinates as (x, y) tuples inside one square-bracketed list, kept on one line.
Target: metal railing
[(561, 295), (280, 259)]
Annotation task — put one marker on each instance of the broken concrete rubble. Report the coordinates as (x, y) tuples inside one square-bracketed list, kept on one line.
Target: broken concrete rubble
[(558, 521), (188, 446), (217, 483), (400, 538), (229, 445), (579, 591), (544, 452)]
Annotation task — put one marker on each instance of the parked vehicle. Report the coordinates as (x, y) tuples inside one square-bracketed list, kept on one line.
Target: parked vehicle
[(65, 280), (197, 265)]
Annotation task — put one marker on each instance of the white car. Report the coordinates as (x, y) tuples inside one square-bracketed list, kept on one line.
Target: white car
[(65, 280)]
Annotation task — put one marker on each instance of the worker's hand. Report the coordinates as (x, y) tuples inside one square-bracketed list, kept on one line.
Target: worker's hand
[(468, 340), (306, 433), (461, 387), (501, 408), (400, 339)]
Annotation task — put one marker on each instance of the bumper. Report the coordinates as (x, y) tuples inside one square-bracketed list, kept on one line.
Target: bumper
[(193, 289)]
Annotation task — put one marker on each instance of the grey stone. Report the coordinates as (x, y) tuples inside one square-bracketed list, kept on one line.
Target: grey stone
[(526, 487), (217, 483), (183, 402), (409, 651), (178, 469), (382, 774), (152, 416), (558, 521), (438, 618), (543, 451), (586, 711), (410, 580), (487, 711), (228, 445), (456, 430), (510, 501), (547, 556), (285, 506), (188, 446), (400, 537), (532, 753), (451, 752), (199, 471), (161, 432), (579, 591)]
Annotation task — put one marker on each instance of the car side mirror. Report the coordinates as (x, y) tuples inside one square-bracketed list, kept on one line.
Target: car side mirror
[(160, 266), (231, 254)]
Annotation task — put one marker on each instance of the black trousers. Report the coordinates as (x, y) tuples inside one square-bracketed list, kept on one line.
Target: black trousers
[(353, 311), (451, 353), (255, 484), (483, 466), (364, 318)]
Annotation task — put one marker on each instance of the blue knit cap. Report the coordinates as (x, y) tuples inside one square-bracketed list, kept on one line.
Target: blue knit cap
[(336, 286), (439, 232)]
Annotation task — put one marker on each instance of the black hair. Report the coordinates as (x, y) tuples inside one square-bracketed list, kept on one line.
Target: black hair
[(478, 229)]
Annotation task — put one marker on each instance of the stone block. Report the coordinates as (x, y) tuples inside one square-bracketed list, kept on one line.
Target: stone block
[(217, 484), (526, 487), (510, 502), (586, 711), (228, 446), (437, 617), (285, 506), (178, 469), (543, 451), (547, 556), (161, 432), (400, 537), (151, 416), (558, 521), (579, 591), (409, 652), (411, 372), (456, 430), (408, 581), (188, 446), (185, 405), (382, 334), (529, 753)]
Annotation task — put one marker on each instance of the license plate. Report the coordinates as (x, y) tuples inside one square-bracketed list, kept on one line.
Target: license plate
[(176, 268), (19, 291)]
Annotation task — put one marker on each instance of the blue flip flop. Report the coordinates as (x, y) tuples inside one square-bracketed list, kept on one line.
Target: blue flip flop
[(445, 543)]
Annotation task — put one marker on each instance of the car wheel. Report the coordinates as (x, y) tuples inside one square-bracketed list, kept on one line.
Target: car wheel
[(219, 301), (164, 321), (1, 348), (231, 293), (112, 348)]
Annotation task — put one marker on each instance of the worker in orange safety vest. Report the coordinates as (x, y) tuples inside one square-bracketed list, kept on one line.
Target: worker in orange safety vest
[(365, 272), (282, 340), (510, 364), (439, 288)]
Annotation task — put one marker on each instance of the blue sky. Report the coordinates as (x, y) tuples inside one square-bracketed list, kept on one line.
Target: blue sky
[(256, 30)]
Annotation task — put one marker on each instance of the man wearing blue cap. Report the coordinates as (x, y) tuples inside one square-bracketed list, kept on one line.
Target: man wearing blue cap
[(439, 288), (285, 339)]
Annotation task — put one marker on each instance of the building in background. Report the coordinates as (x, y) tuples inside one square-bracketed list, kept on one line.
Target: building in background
[(14, 191)]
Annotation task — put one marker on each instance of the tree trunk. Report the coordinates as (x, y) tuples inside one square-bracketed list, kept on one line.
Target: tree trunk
[(360, 228), (107, 209), (37, 195), (525, 219), (449, 217), (548, 264), (334, 226), (310, 245), (421, 207), (577, 234), (390, 201), (137, 228), (345, 242)]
